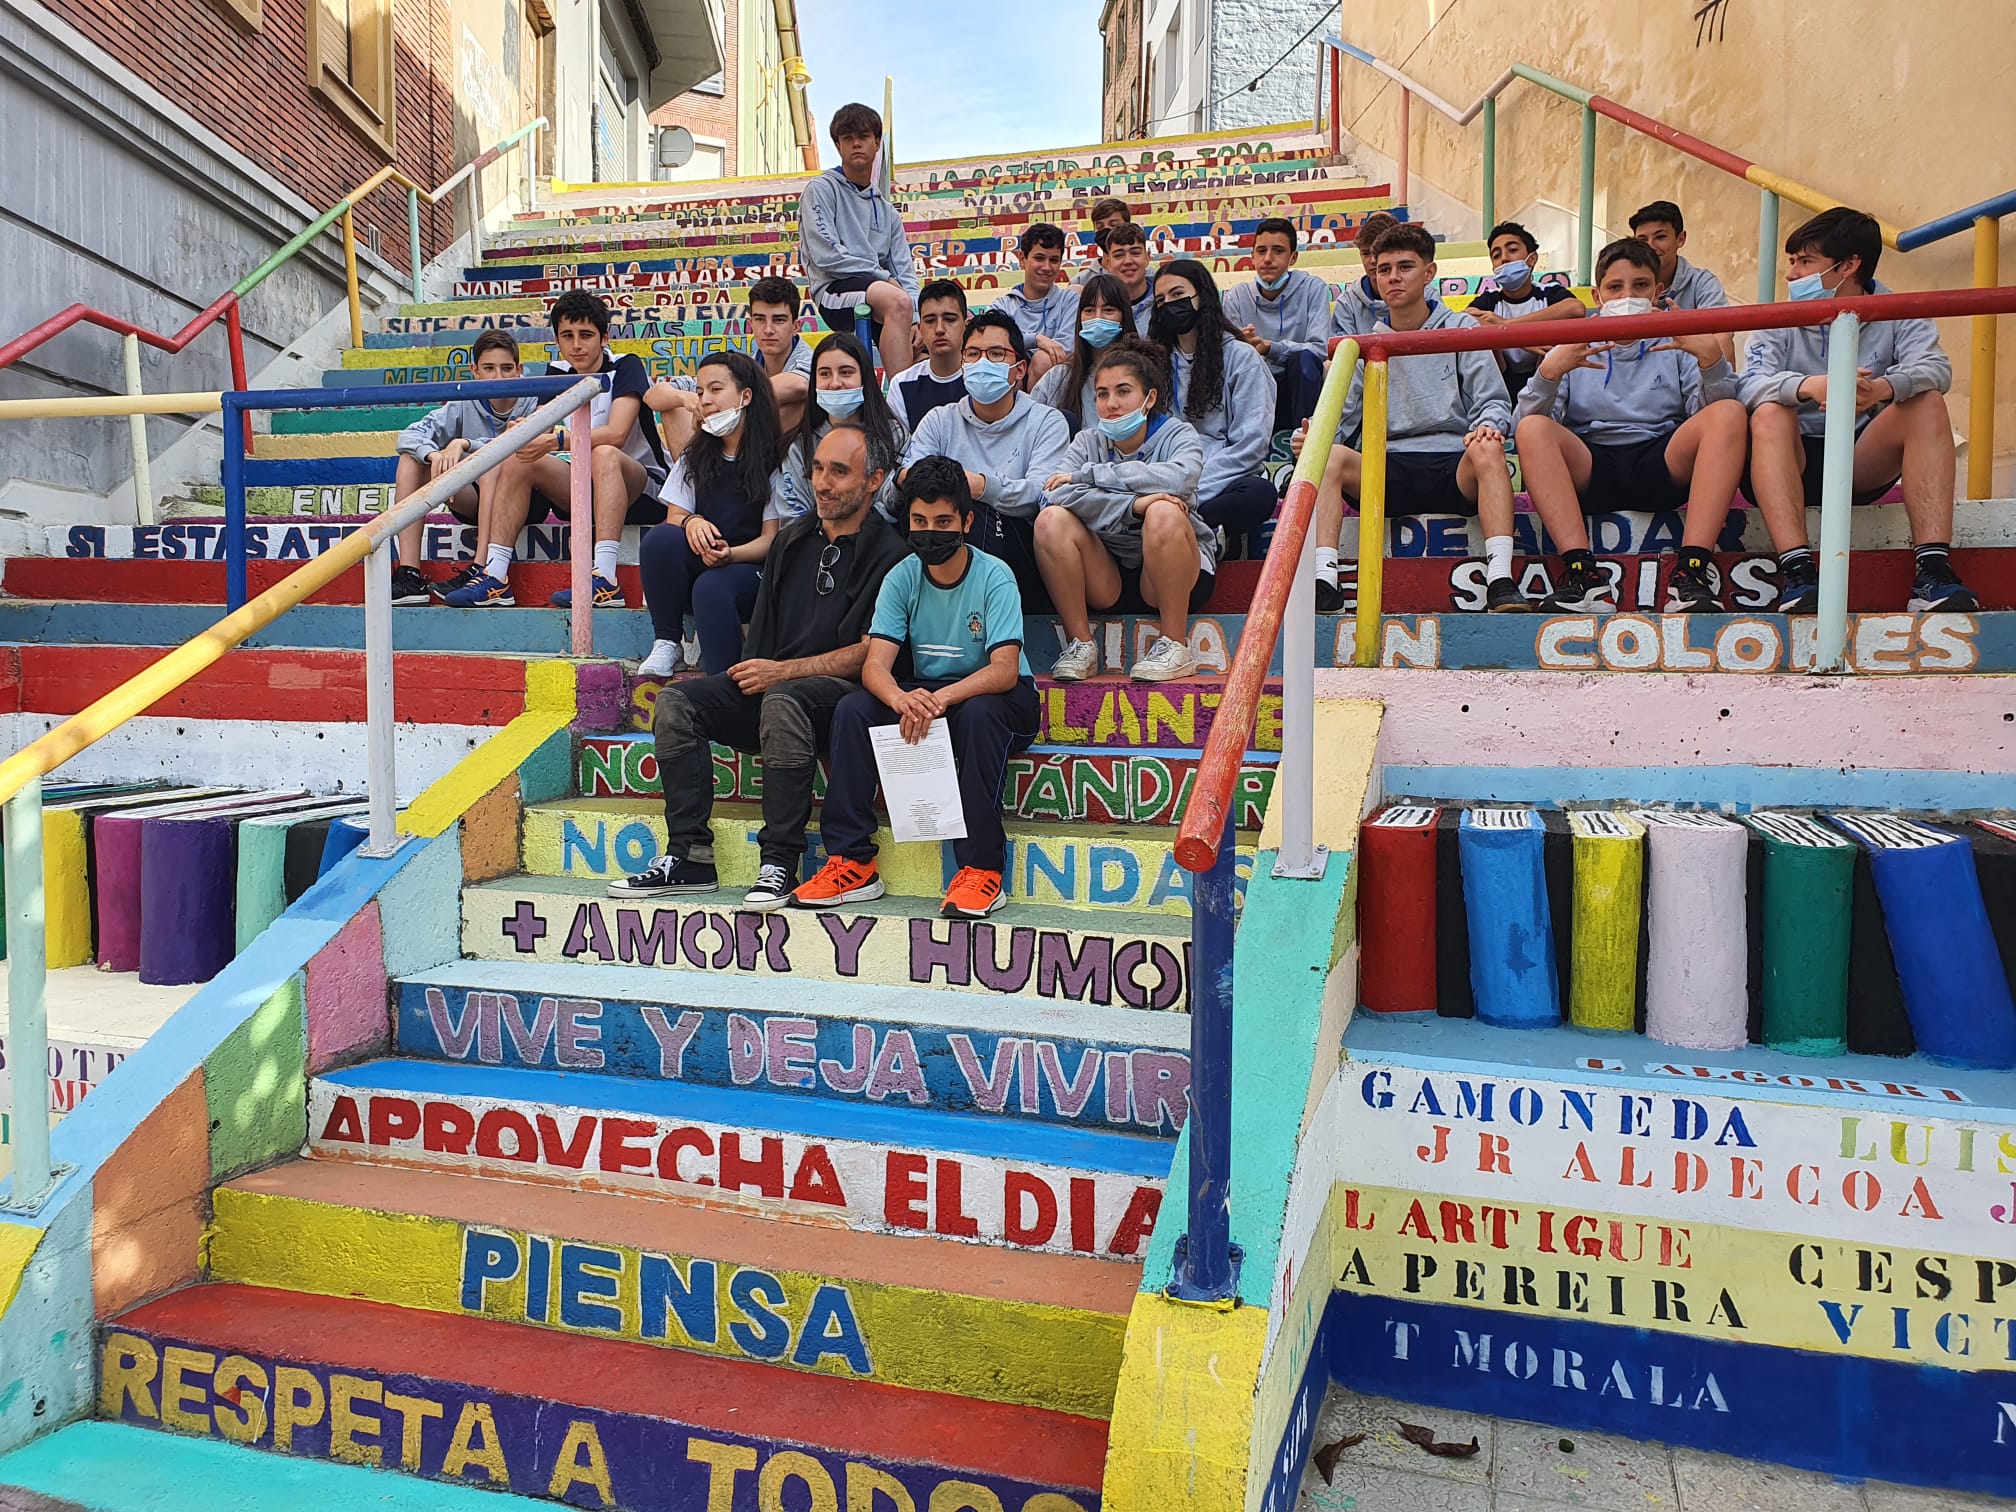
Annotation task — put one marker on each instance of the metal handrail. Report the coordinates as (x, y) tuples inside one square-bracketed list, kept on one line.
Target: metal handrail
[(1984, 218), (21, 774)]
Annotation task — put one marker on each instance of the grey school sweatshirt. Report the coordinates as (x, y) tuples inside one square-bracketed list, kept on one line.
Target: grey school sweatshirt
[(1105, 482), (1015, 454), (1435, 399), (844, 229), (469, 420), (1237, 430), (1907, 352), (1295, 321), (1638, 394)]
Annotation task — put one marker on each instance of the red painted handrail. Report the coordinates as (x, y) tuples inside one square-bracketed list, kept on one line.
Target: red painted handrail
[(83, 314), (1203, 826)]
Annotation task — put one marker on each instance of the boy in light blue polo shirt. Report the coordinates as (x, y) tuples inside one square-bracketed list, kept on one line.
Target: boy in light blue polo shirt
[(956, 614)]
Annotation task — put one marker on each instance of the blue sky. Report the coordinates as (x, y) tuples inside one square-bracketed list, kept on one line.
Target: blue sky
[(970, 79)]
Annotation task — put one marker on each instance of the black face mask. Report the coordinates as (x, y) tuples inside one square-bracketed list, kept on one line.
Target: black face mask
[(1178, 316), (936, 547)]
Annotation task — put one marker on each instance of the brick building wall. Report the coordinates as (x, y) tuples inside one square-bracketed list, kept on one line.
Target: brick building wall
[(250, 86), (1121, 112), (707, 114)]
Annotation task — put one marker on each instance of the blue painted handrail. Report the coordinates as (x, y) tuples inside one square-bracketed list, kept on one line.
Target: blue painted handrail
[(1958, 221)]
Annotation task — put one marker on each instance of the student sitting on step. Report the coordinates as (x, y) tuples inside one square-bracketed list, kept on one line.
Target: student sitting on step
[(725, 499), (1517, 298), (1105, 212), (939, 376), (1649, 425), (852, 242), (629, 461), (437, 442), (1104, 316), (1358, 307), (1447, 424), (806, 645), (1284, 315), (1661, 227), (774, 305), (1006, 441), (1122, 532), (1902, 429), (954, 612), (1045, 308), (1123, 252), (843, 378), (1222, 387)]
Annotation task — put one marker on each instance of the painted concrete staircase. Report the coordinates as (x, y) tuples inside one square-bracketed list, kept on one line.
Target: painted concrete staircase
[(649, 1191)]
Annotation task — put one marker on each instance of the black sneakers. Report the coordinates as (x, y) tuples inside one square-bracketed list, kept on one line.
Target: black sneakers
[(1581, 589), (1330, 598), (1694, 587), (666, 876), (410, 586), (1502, 596), (1799, 588)]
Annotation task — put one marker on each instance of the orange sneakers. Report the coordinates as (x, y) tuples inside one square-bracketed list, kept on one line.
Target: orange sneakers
[(840, 881), (974, 894)]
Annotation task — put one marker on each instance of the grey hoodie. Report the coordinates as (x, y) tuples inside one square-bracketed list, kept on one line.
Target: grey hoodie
[(1638, 394), (1907, 352), (1434, 400), (1296, 321), (470, 420), (1015, 454), (1055, 315), (1237, 431), (1105, 483), (844, 229)]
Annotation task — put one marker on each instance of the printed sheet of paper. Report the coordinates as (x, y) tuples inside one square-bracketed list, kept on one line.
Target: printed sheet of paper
[(920, 783)]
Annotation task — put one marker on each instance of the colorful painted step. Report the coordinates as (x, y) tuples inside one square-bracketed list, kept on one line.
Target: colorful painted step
[(996, 1054), (1113, 959), (109, 1467), (1075, 864), (280, 858), (1054, 783), (886, 1166), (1032, 1329), (497, 1406)]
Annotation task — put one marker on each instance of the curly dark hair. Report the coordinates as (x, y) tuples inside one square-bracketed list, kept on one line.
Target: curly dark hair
[(762, 443), (1099, 289), (1146, 361), (878, 422), (1206, 390)]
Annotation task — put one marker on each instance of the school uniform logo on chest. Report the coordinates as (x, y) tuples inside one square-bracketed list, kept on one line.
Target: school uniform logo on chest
[(976, 627)]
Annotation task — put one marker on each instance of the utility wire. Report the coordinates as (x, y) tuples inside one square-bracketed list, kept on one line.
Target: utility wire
[(1252, 83)]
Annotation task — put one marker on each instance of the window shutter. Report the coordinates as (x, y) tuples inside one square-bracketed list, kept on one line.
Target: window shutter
[(332, 36)]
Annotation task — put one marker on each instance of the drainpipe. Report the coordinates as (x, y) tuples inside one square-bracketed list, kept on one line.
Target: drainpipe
[(796, 77)]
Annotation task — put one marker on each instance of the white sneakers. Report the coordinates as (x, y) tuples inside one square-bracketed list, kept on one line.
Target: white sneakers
[(662, 662), (1079, 661), (1166, 661)]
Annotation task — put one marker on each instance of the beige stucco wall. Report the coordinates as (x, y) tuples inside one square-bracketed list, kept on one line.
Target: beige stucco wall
[(1905, 110)]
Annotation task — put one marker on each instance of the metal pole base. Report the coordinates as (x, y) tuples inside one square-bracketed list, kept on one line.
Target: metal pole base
[(1319, 860), (1182, 1290), (31, 1204), (377, 853)]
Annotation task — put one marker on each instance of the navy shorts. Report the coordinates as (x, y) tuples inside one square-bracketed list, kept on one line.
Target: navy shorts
[(1425, 483)]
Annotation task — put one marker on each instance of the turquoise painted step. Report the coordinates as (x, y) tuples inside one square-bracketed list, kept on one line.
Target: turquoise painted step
[(321, 422), (1007, 1055), (106, 1467), (775, 1153)]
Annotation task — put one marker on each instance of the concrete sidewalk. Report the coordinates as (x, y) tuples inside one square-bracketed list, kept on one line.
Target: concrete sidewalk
[(1521, 1467)]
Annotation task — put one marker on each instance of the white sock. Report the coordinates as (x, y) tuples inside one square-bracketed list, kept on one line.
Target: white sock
[(498, 563), (1497, 558), (605, 559), (1326, 565)]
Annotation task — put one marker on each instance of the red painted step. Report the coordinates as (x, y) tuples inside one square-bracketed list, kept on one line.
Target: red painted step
[(653, 1395)]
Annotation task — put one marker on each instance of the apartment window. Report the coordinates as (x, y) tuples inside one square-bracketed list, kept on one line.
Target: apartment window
[(244, 11), (350, 62)]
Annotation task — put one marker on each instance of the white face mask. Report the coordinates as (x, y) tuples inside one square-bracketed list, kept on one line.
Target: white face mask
[(1615, 307), (721, 422)]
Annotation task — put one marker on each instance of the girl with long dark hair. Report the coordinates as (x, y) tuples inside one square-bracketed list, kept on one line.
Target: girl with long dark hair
[(724, 500), (844, 387), (1104, 317), (1222, 387)]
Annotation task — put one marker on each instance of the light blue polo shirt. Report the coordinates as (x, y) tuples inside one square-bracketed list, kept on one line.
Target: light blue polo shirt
[(951, 631)]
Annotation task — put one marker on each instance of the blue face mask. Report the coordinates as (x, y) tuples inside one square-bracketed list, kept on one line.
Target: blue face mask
[(840, 402), (1812, 286), (1512, 275), (1121, 427), (988, 381), (1099, 334), (1273, 285)]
